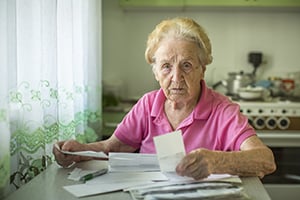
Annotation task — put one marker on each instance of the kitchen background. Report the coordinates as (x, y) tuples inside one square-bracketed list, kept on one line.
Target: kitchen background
[(31, 101), (233, 33)]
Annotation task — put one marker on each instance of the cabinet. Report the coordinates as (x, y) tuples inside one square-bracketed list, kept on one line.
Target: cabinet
[(243, 3), (151, 3), (182, 4)]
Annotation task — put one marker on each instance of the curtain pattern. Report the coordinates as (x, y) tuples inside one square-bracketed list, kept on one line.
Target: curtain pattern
[(50, 82)]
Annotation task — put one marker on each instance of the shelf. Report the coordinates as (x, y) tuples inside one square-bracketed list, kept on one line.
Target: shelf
[(197, 4), (243, 3)]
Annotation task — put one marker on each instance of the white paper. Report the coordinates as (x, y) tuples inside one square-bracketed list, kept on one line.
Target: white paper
[(113, 182), (82, 190), (87, 167), (187, 190), (116, 177), (78, 173), (93, 154), (170, 150), (212, 177), (132, 181), (136, 162)]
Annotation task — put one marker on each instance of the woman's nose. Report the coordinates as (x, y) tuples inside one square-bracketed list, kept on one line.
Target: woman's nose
[(177, 75)]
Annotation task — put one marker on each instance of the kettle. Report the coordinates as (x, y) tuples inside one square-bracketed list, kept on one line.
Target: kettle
[(235, 81)]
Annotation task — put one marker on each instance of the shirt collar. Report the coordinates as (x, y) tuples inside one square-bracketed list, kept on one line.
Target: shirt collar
[(204, 106), (158, 103)]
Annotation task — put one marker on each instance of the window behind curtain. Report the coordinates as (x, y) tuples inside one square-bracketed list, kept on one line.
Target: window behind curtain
[(50, 82)]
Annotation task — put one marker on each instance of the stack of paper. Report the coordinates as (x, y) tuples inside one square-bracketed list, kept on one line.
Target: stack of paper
[(136, 162), (125, 170), (114, 182), (156, 173), (189, 190)]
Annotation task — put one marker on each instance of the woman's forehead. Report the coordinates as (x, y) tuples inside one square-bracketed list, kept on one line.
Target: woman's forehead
[(172, 48)]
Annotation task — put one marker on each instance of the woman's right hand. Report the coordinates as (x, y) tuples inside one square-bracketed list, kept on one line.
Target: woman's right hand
[(69, 145)]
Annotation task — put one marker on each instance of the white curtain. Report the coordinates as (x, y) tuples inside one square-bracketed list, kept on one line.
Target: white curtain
[(50, 82)]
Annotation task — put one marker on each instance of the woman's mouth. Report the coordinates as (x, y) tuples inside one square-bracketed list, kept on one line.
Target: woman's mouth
[(177, 90)]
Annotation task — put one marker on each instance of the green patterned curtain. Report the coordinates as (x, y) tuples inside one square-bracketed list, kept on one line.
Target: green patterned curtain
[(50, 82)]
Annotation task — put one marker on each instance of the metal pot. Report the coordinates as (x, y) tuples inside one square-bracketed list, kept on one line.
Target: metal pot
[(254, 93), (235, 81)]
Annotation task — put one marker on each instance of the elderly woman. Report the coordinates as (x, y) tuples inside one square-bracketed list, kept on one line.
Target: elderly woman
[(217, 137)]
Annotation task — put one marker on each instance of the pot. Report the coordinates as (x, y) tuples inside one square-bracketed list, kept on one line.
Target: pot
[(235, 81), (254, 93)]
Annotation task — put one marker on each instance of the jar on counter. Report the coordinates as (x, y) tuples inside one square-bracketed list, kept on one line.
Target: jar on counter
[(287, 86), (295, 77), (275, 87)]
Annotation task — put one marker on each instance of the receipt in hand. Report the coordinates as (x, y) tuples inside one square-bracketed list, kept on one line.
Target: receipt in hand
[(170, 150)]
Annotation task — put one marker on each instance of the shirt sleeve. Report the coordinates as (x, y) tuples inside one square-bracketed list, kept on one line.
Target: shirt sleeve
[(235, 128)]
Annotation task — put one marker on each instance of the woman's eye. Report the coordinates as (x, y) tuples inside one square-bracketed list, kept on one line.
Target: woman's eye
[(187, 66), (166, 67)]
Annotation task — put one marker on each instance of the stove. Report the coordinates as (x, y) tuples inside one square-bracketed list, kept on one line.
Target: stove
[(272, 115), (277, 123)]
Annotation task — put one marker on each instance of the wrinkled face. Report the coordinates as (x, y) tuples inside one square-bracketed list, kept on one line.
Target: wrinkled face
[(178, 69)]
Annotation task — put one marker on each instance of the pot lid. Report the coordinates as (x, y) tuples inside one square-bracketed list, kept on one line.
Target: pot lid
[(240, 75)]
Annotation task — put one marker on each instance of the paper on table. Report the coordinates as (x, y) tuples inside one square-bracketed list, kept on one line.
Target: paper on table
[(136, 162), (87, 167), (117, 177), (170, 150), (127, 181), (213, 177), (188, 190), (82, 190), (78, 173), (94, 154), (113, 182)]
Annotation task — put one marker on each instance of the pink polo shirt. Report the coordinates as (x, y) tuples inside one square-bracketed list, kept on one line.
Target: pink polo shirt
[(216, 123)]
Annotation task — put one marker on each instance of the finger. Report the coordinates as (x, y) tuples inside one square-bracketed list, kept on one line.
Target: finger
[(66, 160), (71, 145), (193, 165), (58, 145), (198, 171), (56, 150), (61, 158), (185, 163), (66, 164), (68, 145)]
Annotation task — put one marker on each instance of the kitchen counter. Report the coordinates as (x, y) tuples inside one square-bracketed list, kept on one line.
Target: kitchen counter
[(49, 185)]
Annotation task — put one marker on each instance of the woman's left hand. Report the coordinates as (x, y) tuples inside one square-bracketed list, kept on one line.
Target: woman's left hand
[(197, 164)]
